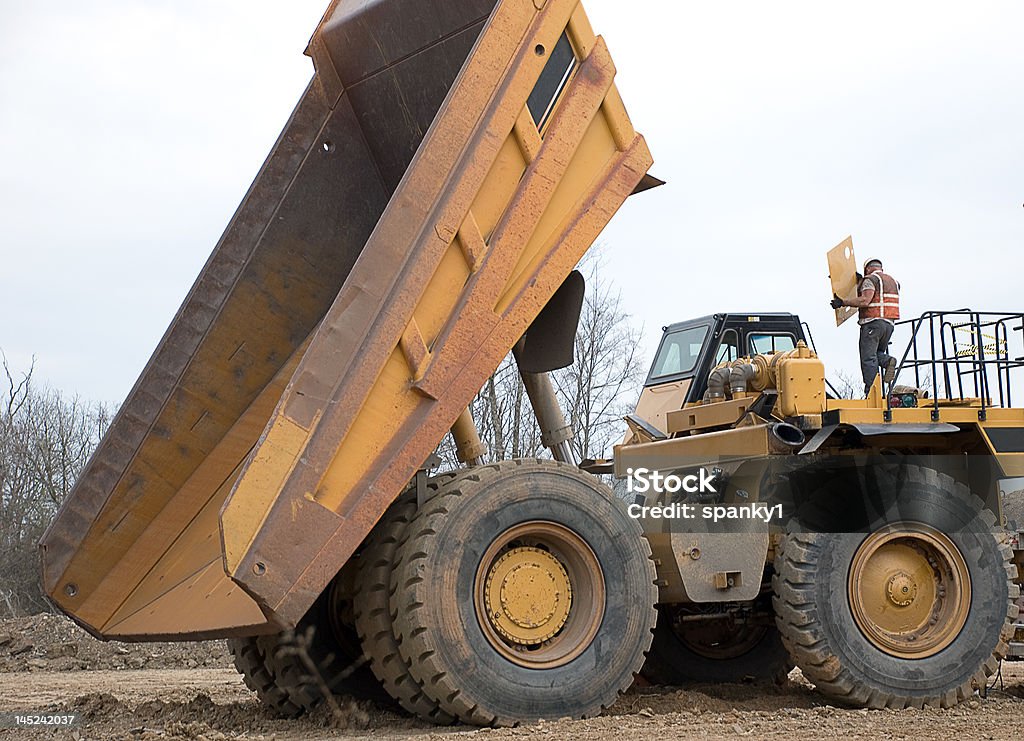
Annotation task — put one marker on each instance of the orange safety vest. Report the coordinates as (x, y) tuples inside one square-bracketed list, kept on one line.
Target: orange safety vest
[(885, 304)]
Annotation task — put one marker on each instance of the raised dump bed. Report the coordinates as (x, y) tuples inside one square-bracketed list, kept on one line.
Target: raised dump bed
[(445, 170)]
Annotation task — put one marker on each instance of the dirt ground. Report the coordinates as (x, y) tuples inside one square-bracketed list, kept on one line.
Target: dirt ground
[(191, 691), (54, 644)]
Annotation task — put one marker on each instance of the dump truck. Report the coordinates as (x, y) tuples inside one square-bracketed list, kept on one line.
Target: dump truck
[(268, 478), (420, 215)]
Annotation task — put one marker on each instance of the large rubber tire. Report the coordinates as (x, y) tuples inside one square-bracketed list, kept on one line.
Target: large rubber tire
[(251, 662), (816, 618), (373, 617), (282, 680), (437, 577), (674, 660)]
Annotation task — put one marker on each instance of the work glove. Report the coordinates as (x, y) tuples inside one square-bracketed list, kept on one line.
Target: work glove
[(837, 303)]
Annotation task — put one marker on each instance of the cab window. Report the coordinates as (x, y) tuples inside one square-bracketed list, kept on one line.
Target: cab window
[(679, 352), (729, 349), (763, 344)]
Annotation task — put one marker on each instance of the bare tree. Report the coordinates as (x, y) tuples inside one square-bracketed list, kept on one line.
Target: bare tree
[(503, 417), (845, 385), (46, 439), (602, 384), (595, 392)]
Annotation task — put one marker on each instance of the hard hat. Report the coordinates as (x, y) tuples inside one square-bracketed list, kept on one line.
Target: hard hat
[(868, 262)]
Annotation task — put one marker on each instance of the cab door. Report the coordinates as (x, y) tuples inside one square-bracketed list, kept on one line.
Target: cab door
[(674, 370)]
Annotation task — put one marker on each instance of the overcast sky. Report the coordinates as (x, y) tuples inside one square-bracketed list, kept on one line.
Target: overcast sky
[(129, 132)]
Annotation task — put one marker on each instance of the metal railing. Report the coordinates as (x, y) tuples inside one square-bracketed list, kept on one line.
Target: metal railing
[(967, 355)]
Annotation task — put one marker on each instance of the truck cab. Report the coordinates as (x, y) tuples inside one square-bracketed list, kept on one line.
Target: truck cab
[(689, 350)]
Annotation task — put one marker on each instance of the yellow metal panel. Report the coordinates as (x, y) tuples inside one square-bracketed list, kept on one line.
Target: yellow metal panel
[(952, 415), (702, 416), (656, 402), (391, 401), (1003, 417), (430, 422), (444, 289), (198, 545), (695, 450), (842, 272), (595, 148), (801, 384), (499, 186), (274, 459), (1012, 464), (206, 604)]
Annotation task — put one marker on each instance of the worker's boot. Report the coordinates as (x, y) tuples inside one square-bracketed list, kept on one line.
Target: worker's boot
[(889, 370)]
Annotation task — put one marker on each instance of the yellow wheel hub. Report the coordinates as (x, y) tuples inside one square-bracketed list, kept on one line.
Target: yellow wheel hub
[(539, 594), (902, 589), (909, 590), (527, 595)]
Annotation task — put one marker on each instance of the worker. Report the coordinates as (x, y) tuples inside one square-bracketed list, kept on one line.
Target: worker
[(878, 304)]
